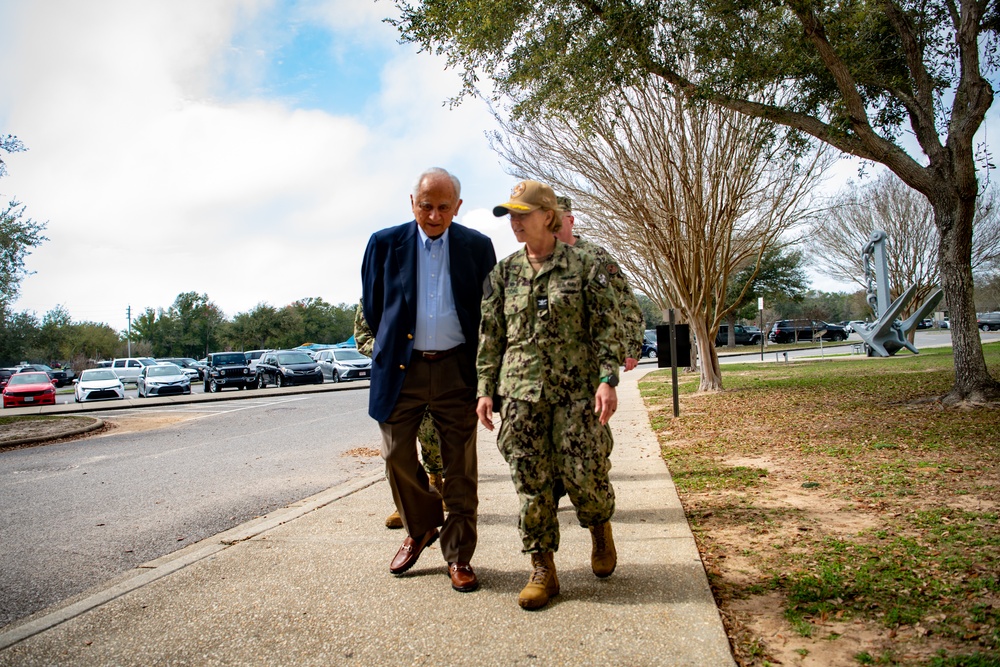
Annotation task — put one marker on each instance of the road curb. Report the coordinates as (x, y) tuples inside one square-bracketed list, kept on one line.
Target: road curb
[(80, 430)]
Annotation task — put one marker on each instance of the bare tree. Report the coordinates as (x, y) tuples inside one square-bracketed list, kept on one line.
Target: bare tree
[(682, 194), (913, 238)]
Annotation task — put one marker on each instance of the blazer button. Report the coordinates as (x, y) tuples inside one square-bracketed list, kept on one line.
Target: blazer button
[(402, 367), (409, 336)]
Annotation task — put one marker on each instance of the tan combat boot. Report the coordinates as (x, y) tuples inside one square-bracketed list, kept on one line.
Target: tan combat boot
[(603, 557), (437, 481), (394, 520), (544, 583)]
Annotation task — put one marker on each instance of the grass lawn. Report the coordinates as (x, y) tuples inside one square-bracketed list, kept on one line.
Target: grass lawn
[(843, 515)]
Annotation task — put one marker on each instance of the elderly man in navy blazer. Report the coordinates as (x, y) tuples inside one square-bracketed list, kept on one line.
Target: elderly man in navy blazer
[(422, 291)]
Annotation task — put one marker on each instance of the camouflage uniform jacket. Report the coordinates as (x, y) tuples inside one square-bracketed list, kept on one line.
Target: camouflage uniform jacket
[(363, 337), (632, 323), (552, 334)]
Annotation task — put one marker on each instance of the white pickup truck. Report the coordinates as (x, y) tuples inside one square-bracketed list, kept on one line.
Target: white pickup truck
[(129, 368)]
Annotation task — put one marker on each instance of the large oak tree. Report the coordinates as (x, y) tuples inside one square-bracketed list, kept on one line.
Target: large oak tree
[(898, 82)]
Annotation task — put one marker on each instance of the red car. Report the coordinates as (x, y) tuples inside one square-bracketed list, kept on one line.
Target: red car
[(26, 389)]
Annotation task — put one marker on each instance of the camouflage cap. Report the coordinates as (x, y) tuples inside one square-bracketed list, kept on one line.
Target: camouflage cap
[(527, 196), (565, 203)]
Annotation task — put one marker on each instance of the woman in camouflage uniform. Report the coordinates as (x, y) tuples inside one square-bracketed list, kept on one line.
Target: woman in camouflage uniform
[(549, 349)]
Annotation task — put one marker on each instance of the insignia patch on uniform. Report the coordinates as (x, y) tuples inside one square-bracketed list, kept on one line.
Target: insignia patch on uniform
[(602, 278), (612, 269), (487, 288)]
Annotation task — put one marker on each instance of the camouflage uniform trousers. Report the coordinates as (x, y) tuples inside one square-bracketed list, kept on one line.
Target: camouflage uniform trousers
[(430, 446), (544, 442)]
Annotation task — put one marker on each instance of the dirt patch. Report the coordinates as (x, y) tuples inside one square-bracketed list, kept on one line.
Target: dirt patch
[(146, 422), (362, 452)]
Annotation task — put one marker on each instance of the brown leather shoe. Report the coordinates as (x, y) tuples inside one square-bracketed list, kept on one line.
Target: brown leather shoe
[(408, 554), (463, 578)]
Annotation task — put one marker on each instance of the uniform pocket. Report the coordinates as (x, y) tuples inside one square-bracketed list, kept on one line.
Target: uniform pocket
[(517, 312)]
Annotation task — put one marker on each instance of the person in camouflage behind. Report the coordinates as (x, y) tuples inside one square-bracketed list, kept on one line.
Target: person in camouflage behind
[(549, 351), (430, 446), (632, 321)]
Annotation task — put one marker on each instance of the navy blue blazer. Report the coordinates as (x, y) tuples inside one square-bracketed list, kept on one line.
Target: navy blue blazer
[(389, 301)]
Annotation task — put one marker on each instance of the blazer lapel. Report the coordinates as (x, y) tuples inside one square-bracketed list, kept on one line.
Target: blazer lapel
[(406, 260)]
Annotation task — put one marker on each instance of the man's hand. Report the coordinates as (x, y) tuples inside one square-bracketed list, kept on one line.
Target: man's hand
[(484, 410), (630, 363), (605, 402)]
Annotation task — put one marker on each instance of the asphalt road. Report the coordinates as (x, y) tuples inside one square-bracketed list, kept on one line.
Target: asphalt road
[(77, 514)]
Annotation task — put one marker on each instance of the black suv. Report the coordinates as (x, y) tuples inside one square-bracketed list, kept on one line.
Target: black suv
[(789, 331), (988, 321), (228, 369), (285, 367), (5, 374), (743, 335)]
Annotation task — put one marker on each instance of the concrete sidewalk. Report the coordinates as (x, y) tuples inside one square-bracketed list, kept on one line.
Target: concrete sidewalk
[(309, 585)]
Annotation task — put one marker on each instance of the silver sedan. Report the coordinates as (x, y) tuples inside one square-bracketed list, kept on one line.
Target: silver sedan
[(162, 380)]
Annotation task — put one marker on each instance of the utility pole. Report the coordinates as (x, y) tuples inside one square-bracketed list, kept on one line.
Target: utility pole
[(128, 314)]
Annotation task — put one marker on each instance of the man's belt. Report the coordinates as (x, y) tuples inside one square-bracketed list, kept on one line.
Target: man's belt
[(430, 355)]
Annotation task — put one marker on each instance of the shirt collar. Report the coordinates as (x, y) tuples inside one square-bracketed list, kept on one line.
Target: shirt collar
[(422, 235)]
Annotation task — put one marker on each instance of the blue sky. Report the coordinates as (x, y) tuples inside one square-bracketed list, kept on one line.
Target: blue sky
[(305, 63)]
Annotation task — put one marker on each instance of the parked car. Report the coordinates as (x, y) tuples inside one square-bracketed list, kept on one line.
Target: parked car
[(943, 324), (56, 374), (128, 368), (743, 335), (853, 325), (163, 379), (5, 374), (925, 323), (648, 348), (228, 369), (343, 363), (286, 367), (28, 389), (789, 331), (190, 366), (988, 321), (98, 384)]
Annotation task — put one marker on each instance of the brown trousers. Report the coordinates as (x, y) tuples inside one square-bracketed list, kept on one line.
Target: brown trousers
[(437, 385)]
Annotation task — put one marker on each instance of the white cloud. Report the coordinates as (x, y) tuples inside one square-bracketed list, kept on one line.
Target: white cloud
[(159, 184)]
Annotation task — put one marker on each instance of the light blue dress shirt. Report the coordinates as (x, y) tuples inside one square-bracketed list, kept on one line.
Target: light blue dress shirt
[(437, 327)]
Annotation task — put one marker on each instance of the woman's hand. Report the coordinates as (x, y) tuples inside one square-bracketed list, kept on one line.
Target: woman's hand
[(484, 410), (605, 402)]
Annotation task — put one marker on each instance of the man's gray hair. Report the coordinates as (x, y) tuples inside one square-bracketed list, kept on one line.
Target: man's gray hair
[(438, 171)]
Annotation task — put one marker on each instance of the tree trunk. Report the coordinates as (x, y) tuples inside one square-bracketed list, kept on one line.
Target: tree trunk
[(972, 379), (711, 374)]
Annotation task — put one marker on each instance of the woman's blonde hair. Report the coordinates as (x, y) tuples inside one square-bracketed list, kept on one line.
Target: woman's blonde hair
[(556, 223)]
